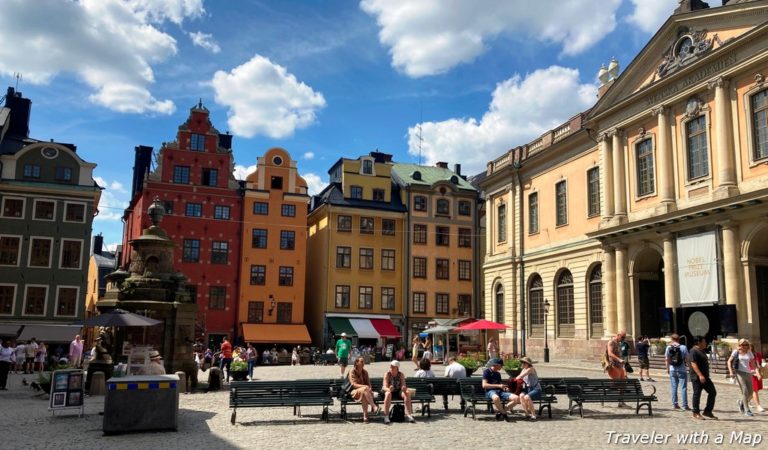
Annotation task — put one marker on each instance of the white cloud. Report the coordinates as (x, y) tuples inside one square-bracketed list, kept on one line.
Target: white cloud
[(114, 199), (315, 183), (205, 41), (241, 172), (263, 98), (428, 37), (521, 109), (110, 44), (650, 14), (309, 155)]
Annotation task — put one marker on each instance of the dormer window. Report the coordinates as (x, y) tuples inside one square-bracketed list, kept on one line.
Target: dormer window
[(416, 175), (197, 143), (367, 167)]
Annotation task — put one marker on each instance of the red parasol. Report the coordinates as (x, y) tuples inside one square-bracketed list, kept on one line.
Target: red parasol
[(482, 325)]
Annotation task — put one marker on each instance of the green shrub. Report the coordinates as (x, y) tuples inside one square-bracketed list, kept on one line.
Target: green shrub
[(238, 366), (513, 364), (469, 363)]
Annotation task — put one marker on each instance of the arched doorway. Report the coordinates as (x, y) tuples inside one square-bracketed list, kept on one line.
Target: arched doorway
[(758, 260), (500, 303), (648, 276)]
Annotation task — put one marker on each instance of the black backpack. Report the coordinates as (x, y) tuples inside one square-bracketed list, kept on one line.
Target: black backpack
[(397, 413), (675, 355)]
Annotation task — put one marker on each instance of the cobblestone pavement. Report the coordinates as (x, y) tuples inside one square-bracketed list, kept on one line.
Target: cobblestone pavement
[(204, 422)]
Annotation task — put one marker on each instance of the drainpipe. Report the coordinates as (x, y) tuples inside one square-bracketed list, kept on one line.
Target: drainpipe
[(521, 281), (407, 266)]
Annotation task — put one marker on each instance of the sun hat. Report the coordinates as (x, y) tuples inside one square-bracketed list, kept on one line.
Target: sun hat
[(343, 334), (394, 363), (527, 360), (154, 354)]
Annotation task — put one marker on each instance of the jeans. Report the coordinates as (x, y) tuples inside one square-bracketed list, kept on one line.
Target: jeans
[(707, 386), (225, 363), (251, 363), (678, 377)]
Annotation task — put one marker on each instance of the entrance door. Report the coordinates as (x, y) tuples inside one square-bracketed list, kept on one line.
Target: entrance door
[(761, 280), (651, 302)]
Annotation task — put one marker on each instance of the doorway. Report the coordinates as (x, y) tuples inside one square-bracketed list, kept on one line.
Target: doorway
[(649, 276), (761, 281)]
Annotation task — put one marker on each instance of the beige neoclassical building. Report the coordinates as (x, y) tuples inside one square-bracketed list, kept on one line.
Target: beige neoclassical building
[(648, 212)]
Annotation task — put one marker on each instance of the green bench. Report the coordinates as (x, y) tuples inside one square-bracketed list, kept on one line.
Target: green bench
[(266, 394), (423, 395), (472, 393), (607, 390), (445, 386)]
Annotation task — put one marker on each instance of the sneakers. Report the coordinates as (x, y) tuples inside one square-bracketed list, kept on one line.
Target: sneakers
[(410, 418), (741, 405), (748, 413), (532, 417), (675, 407), (386, 419), (760, 409)]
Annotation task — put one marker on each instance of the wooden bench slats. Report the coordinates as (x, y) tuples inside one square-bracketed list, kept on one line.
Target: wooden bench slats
[(607, 390), (296, 393)]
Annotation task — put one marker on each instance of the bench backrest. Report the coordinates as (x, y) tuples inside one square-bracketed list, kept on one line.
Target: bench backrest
[(604, 387), (282, 389)]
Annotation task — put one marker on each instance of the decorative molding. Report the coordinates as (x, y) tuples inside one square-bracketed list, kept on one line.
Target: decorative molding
[(694, 107), (718, 82), (759, 79), (658, 110), (687, 48), (641, 132)]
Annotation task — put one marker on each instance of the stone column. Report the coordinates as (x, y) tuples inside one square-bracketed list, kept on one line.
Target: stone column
[(664, 156), (490, 226), (607, 153), (671, 299), (622, 302), (731, 264), (726, 180), (609, 296), (619, 178)]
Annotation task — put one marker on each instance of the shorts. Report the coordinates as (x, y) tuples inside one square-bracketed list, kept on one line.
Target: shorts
[(504, 396), (30, 360), (343, 361), (643, 362), (535, 393), (20, 360)]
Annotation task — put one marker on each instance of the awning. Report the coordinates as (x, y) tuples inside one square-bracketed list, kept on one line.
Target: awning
[(9, 330), (364, 328), (386, 328), (341, 325), (50, 333), (263, 333), (439, 329)]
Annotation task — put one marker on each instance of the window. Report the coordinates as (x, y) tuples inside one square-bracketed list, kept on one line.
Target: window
[(366, 225), (192, 291), (197, 143), (596, 296), (9, 250), (342, 296), (465, 208), (356, 192), (644, 162), (217, 297), (501, 214), (74, 212), (258, 275), (420, 203), (419, 267), (31, 171), (593, 191), (260, 208), (561, 203), (465, 237), (44, 210), (13, 207), (565, 311), (344, 223), (34, 304), (465, 270), (419, 302), (210, 177), (288, 211), (71, 252), (258, 238), (255, 312), (221, 212), (387, 298), (191, 252), (7, 298), (442, 269), (367, 166), (533, 213), (284, 312), (465, 304), (66, 301), (388, 227), (698, 155), (219, 252), (287, 240), (500, 304), (277, 183), (442, 303), (63, 174), (344, 257), (443, 236), (536, 301), (419, 234), (366, 258), (40, 252), (443, 207), (286, 276), (168, 205), (378, 195), (387, 259), (194, 210), (181, 174), (760, 124), (365, 300)]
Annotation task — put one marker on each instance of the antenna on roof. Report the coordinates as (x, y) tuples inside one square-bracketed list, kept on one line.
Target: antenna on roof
[(421, 119), (17, 75)]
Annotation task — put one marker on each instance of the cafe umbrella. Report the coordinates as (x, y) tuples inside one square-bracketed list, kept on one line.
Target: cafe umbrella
[(482, 324)]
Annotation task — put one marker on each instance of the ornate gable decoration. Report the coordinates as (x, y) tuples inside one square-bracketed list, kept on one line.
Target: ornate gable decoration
[(689, 47)]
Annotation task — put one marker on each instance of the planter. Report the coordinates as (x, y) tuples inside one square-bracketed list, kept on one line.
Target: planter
[(513, 372), (239, 375), (723, 352), (470, 371)]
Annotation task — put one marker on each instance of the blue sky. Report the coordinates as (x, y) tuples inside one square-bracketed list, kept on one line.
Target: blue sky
[(323, 79)]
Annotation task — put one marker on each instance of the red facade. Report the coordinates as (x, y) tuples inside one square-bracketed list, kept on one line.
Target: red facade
[(203, 202)]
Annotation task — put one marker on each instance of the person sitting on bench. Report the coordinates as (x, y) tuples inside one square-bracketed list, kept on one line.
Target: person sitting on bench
[(496, 391), (394, 386)]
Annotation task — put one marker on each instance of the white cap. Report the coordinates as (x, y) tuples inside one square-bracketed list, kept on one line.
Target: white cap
[(395, 363), (343, 334)]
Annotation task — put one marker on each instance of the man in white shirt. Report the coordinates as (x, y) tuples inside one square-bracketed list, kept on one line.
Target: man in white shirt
[(76, 352), (454, 369)]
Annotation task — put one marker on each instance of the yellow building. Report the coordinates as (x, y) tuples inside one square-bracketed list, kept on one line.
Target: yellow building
[(355, 254), (100, 264), (274, 253)]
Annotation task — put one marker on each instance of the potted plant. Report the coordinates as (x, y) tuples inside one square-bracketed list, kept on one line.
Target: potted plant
[(238, 370), (44, 381), (513, 367), (658, 347), (470, 364), (723, 349)]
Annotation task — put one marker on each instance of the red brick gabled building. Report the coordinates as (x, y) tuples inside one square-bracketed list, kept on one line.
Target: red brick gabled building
[(193, 177)]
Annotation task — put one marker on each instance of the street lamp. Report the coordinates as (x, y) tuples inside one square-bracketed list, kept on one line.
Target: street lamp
[(546, 346)]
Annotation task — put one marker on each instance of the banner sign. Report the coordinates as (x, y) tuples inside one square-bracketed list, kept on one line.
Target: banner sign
[(697, 272)]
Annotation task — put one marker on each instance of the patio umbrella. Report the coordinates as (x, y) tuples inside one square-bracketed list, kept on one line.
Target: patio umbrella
[(483, 324), (120, 318)]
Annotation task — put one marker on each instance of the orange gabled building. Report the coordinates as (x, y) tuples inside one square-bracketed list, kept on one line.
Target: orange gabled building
[(274, 253)]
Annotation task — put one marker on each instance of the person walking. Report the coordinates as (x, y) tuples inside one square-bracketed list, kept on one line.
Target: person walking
[(757, 382), (641, 347), (251, 356), (615, 367), (21, 357), (739, 366), (675, 356), (700, 380), (226, 356), (41, 356), (76, 352), (343, 347), (6, 357), (493, 349), (415, 343), (29, 356)]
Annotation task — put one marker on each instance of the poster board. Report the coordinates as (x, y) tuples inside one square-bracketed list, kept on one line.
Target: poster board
[(138, 359), (390, 350), (697, 271), (67, 390)]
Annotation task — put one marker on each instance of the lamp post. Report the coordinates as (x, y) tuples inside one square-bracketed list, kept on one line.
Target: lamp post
[(546, 346)]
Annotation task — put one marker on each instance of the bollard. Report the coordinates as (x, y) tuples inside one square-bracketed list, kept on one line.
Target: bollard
[(182, 386), (214, 379), (98, 384)]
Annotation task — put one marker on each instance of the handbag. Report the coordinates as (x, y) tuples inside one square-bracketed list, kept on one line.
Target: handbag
[(604, 362), (347, 387), (762, 372), (628, 367)]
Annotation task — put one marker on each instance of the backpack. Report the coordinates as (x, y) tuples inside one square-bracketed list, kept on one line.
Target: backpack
[(675, 355), (397, 414)]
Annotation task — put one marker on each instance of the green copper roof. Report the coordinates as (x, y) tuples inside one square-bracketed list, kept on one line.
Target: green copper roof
[(404, 175)]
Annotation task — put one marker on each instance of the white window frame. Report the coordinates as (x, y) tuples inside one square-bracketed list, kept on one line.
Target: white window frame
[(567, 201), (48, 200), (23, 208), (56, 303), (29, 252), (61, 253), (707, 180), (13, 304), (18, 254), (45, 304), (747, 100), (373, 166), (636, 173), (85, 212)]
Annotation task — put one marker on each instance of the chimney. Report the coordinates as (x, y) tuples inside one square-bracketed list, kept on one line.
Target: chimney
[(690, 5), (141, 163), (20, 110), (98, 243), (457, 169), (441, 164)]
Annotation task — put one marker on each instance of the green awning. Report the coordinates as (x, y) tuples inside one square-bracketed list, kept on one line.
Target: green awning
[(341, 325)]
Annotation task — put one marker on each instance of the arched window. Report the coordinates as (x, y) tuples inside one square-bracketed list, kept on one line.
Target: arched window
[(565, 299), (536, 301), (596, 300), (500, 303)]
